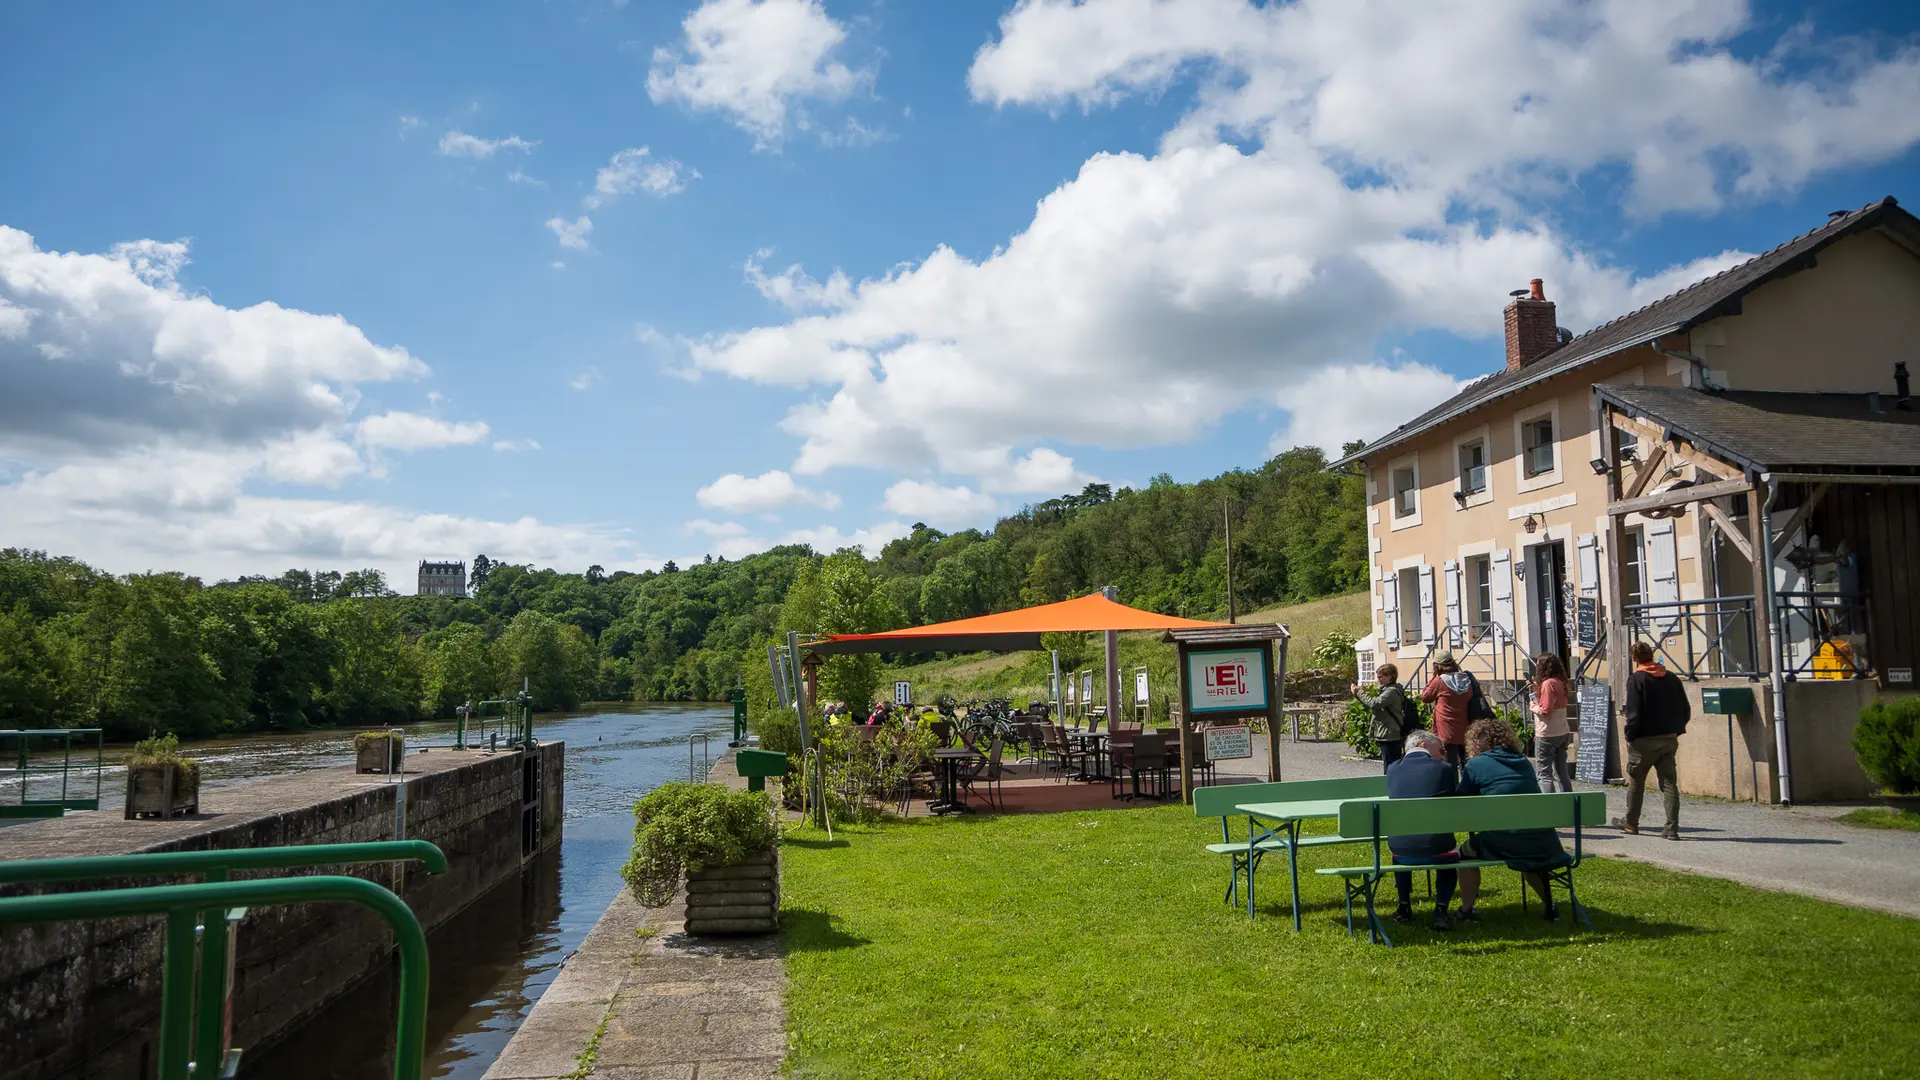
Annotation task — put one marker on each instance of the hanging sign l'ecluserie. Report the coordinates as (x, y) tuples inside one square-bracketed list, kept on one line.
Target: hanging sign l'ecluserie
[(1227, 680)]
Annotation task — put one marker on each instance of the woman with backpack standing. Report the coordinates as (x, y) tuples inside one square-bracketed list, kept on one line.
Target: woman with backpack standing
[(1551, 734), (1393, 715), (1457, 703)]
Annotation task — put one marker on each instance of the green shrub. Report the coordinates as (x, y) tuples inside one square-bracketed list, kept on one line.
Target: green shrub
[(1335, 650), (682, 826), (165, 750), (1887, 742), (364, 739), (1359, 722)]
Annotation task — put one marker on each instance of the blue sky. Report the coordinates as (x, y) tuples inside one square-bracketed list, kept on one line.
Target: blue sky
[(1261, 226)]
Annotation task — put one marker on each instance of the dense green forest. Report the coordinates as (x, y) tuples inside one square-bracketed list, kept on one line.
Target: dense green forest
[(142, 653)]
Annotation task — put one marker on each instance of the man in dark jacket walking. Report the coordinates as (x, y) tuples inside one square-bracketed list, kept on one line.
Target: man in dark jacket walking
[(1657, 713)]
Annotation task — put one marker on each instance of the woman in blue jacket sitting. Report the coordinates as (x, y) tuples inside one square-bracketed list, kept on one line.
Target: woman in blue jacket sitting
[(1495, 767)]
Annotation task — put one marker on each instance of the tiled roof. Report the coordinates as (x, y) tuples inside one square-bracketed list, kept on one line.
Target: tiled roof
[(1772, 431), (1695, 304)]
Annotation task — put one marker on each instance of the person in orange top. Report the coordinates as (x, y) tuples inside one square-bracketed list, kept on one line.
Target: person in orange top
[(1451, 693), (1551, 734)]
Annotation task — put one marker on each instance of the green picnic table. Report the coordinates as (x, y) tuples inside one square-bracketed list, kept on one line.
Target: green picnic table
[(1286, 817)]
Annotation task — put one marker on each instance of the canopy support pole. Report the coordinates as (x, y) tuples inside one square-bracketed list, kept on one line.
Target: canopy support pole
[(1113, 664)]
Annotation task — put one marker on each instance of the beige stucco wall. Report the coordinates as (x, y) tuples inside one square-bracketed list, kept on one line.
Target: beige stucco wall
[(1565, 505), (1837, 327)]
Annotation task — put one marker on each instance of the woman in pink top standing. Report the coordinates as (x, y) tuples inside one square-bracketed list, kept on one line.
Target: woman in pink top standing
[(1551, 735)]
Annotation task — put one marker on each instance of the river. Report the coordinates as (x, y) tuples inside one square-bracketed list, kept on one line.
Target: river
[(489, 963)]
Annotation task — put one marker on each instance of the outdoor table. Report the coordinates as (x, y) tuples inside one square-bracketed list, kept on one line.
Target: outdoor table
[(950, 760), (1095, 742), (1287, 817)]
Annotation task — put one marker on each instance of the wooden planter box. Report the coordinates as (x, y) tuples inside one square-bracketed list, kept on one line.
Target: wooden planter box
[(162, 791), (380, 756), (737, 898)]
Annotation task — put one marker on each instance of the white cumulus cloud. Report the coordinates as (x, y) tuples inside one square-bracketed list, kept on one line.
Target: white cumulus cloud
[(757, 62), (771, 490), (942, 506), (829, 538), (1308, 203), (412, 431), (460, 144), (634, 170), (572, 234)]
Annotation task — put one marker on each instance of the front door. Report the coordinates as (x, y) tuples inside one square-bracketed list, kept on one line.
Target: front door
[(1548, 574)]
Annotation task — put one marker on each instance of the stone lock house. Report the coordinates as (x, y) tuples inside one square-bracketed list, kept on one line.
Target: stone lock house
[(1622, 484)]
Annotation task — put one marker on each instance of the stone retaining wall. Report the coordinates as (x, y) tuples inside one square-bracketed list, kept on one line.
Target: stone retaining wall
[(82, 999)]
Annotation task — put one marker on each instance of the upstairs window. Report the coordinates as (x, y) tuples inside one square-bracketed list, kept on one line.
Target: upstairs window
[(1473, 467), (1537, 445), (1406, 492)]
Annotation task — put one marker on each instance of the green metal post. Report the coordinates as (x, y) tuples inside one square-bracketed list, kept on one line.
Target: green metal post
[(176, 995), (209, 1044)]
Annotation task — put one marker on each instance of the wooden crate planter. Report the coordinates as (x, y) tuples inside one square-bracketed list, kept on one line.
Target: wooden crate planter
[(381, 754), (736, 898), (162, 791)]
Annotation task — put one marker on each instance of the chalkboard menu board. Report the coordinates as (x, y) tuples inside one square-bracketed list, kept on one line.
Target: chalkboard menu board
[(1587, 620), (1596, 732)]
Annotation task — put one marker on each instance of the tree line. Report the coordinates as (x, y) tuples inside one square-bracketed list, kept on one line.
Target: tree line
[(155, 652)]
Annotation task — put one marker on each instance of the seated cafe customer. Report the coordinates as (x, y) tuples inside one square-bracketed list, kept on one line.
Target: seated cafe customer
[(1423, 773), (1495, 767)]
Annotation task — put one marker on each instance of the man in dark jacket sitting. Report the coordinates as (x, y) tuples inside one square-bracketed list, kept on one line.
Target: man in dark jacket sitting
[(1657, 712), (1424, 773)]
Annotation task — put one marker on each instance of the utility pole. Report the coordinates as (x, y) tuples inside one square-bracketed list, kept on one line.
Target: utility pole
[(1226, 516)]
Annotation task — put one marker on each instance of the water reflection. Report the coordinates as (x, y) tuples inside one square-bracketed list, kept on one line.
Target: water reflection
[(491, 962)]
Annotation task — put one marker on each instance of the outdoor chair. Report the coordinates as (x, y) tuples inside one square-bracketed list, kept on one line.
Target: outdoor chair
[(986, 773), (1065, 753), (1146, 756), (1196, 753), (943, 731)]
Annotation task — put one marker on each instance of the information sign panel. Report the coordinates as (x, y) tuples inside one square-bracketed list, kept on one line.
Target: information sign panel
[(1596, 732), (1140, 685), (902, 692), (1227, 680), (1229, 742)]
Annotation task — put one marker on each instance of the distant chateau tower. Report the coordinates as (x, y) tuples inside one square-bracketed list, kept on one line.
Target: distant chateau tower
[(443, 579)]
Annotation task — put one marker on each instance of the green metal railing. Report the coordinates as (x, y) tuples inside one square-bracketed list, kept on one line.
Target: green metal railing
[(23, 767), (200, 1050), (490, 724)]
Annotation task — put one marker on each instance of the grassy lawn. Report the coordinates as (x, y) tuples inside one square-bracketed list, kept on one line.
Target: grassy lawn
[(1096, 944), (1881, 817)]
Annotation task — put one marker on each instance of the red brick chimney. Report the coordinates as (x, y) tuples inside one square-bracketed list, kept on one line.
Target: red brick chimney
[(1532, 331)]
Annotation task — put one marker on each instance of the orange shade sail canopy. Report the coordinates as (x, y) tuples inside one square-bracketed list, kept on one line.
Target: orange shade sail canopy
[(1009, 630)]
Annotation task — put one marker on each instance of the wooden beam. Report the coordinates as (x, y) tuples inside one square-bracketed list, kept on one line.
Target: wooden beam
[(1682, 451), (1800, 515), (1681, 497), (1655, 465), (1713, 513), (1762, 617)]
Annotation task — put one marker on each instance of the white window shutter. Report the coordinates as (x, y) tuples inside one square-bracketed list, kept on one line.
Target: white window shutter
[(1589, 547), (1503, 590), (1390, 607), (1428, 629), (1663, 563), (1456, 617)]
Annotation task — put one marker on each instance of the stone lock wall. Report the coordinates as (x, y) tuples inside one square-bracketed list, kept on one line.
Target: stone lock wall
[(82, 999)]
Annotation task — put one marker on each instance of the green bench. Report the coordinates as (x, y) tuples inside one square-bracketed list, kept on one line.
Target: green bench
[(1375, 820), (1221, 801)]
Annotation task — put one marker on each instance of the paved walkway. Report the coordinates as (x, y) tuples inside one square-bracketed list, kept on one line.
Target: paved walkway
[(1798, 850), (640, 1000)]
